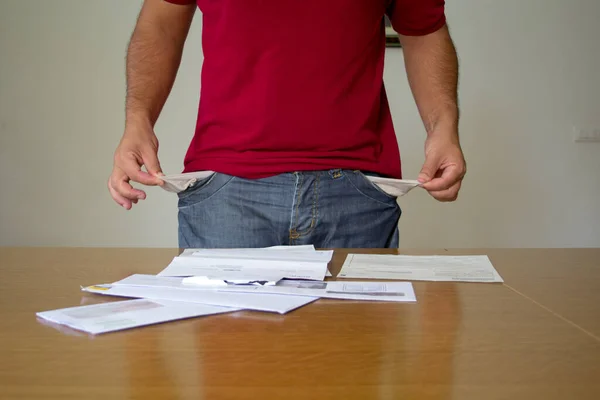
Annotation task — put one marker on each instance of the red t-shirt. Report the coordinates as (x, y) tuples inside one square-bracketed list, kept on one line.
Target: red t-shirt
[(293, 85)]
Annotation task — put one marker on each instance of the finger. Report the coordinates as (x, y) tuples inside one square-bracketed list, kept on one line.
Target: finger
[(132, 168), (120, 200), (125, 189), (450, 176), (153, 166), (448, 194), (428, 170), (146, 178), (119, 181)]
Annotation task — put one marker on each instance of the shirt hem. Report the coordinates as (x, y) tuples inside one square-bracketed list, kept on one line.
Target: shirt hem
[(264, 168)]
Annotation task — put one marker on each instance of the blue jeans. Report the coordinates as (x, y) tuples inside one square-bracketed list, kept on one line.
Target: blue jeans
[(329, 209)]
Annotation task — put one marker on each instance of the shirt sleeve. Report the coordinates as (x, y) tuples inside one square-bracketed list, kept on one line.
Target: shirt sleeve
[(416, 17), (181, 2)]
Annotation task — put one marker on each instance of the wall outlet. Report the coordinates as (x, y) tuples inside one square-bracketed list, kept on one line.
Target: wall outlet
[(586, 135)]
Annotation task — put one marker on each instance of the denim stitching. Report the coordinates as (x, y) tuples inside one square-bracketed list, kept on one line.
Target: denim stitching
[(291, 226), (367, 196), (193, 187), (365, 177), (231, 178), (315, 209), (183, 242), (294, 220)]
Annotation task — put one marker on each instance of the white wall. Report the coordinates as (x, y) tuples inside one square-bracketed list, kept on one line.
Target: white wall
[(529, 73)]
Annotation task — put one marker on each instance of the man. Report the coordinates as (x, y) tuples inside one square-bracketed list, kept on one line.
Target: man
[(293, 117)]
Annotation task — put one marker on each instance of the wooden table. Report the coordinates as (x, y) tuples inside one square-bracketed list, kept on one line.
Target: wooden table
[(535, 337)]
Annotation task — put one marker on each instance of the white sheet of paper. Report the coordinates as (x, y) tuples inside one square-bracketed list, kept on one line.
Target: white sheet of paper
[(322, 256), (394, 291), (144, 280), (422, 268), (283, 253), (165, 288), (203, 281), (388, 291), (309, 248), (366, 287), (299, 248), (216, 267), (115, 316)]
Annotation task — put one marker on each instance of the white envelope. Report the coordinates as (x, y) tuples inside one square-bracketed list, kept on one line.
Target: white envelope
[(211, 282), (166, 288), (119, 315), (369, 291), (283, 252), (218, 266)]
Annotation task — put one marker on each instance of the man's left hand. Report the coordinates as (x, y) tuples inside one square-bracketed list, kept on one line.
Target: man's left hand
[(444, 166)]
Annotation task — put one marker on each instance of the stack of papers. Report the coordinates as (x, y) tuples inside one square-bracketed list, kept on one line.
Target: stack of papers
[(271, 264), (285, 296), (276, 279), (167, 288), (204, 282)]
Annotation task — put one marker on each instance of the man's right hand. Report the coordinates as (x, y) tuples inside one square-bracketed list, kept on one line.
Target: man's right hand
[(138, 147), (153, 58)]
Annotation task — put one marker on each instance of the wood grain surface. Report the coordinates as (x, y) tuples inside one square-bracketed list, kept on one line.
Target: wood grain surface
[(535, 337)]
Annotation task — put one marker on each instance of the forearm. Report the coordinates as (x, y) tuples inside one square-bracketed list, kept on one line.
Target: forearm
[(153, 58), (432, 70)]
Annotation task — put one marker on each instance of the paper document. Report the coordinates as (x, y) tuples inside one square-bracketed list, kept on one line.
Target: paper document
[(204, 281), (284, 253), (421, 268), (296, 248), (287, 249), (386, 291), (322, 256), (364, 287), (165, 288), (115, 316), (372, 291), (179, 182), (251, 265)]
